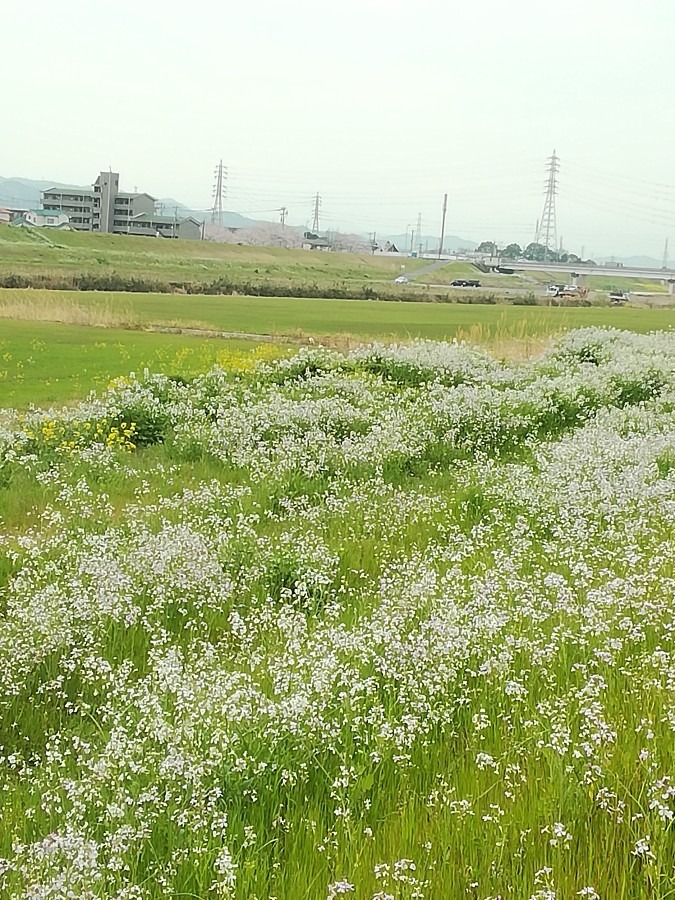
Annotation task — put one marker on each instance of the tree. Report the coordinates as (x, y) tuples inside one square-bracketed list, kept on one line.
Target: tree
[(512, 251), (536, 252), (487, 247)]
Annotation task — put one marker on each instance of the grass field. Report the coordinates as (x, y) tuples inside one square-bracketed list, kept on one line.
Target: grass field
[(43, 362), (284, 316), (32, 252), (390, 624), (40, 253)]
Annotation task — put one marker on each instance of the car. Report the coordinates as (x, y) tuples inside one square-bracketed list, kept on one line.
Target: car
[(618, 297), (464, 282), (402, 279), (552, 290)]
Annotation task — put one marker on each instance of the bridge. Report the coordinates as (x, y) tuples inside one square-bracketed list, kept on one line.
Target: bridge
[(570, 272)]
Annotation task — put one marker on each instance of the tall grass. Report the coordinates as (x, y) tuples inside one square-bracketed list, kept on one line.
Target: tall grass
[(38, 307)]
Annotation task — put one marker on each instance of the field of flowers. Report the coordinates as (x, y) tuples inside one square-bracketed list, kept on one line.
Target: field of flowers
[(389, 625)]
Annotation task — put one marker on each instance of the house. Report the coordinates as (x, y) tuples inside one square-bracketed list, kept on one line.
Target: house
[(386, 247), (311, 241), (42, 218)]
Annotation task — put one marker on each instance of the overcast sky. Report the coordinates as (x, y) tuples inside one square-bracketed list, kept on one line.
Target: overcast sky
[(381, 105)]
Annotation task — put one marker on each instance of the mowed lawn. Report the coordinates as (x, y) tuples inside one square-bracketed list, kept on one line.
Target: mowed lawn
[(287, 316), (44, 363)]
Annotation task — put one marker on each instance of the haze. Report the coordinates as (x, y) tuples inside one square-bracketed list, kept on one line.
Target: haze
[(379, 105)]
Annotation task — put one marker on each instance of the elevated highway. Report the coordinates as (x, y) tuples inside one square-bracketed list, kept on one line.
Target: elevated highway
[(567, 272)]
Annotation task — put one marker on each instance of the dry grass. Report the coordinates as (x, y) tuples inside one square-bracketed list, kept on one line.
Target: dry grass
[(40, 306), (512, 341)]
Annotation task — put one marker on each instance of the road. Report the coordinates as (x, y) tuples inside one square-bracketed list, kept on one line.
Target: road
[(640, 272), (439, 264)]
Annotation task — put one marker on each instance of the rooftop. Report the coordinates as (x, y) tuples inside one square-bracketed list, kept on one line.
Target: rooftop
[(162, 220), (69, 189), (132, 195)]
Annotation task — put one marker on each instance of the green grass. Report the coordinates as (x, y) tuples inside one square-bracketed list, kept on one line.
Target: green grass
[(364, 319), (614, 283), (467, 609), (36, 252), (45, 363), (29, 252), (447, 274)]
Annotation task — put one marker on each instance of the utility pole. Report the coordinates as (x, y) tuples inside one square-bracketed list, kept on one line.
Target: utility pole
[(283, 213), (665, 255), (445, 210), (419, 232), (218, 194), (175, 221), (547, 233), (317, 207)]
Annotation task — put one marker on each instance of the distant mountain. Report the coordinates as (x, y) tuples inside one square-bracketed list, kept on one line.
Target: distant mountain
[(230, 219), (647, 262), (450, 242), (24, 193)]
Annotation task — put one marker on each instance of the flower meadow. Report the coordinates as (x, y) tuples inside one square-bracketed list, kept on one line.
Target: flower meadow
[(393, 624)]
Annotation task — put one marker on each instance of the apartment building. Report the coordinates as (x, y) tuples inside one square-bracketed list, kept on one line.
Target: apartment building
[(76, 203), (106, 209)]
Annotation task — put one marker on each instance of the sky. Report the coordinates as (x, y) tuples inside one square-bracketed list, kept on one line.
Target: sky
[(381, 106)]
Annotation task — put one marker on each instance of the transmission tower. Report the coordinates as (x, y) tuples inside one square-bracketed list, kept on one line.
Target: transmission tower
[(218, 194), (548, 231), (317, 207)]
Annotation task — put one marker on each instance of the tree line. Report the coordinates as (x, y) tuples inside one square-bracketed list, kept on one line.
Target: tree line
[(534, 252)]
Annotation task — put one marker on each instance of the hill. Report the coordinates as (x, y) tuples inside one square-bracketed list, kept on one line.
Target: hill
[(24, 193), (648, 262), (450, 241)]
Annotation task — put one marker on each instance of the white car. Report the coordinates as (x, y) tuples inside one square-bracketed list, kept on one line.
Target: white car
[(402, 279)]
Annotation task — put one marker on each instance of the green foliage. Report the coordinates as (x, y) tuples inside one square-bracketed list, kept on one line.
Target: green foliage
[(399, 619)]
